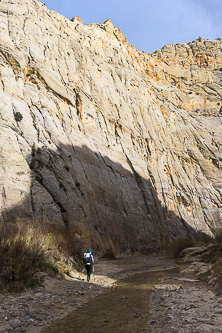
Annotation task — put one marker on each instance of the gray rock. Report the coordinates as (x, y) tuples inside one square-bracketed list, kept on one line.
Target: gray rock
[(122, 147)]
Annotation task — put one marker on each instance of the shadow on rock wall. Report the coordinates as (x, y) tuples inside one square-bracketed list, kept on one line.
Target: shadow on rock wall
[(105, 205)]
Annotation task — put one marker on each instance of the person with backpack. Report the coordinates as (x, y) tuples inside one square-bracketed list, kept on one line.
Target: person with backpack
[(88, 261)]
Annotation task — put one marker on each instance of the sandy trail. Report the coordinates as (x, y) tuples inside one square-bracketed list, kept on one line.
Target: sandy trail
[(180, 303)]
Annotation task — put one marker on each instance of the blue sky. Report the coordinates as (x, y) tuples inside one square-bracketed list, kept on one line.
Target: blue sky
[(149, 24)]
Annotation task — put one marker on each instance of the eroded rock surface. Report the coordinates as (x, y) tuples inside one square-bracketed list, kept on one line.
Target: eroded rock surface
[(121, 146)]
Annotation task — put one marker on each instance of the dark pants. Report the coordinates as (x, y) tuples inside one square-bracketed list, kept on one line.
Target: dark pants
[(89, 270)]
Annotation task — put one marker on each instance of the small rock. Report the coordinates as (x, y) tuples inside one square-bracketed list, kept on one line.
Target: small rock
[(25, 304), (39, 319)]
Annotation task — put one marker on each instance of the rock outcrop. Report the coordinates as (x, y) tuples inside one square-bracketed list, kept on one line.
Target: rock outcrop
[(121, 147)]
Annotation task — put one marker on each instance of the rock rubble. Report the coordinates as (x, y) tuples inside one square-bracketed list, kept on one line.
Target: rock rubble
[(189, 307), (180, 302)]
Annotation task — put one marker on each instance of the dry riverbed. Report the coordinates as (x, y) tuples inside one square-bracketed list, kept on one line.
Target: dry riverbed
[(180, 303)]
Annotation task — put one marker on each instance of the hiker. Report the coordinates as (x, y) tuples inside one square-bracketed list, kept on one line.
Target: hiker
[(88, 261)]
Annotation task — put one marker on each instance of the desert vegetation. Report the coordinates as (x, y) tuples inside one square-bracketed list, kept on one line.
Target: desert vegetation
[(18, 116), (27, 250)]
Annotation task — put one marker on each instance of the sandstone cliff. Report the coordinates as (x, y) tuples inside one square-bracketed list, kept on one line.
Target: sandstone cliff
[(122, 147)]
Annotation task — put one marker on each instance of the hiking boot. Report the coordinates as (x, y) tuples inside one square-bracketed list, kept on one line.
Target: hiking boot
[(87, 278)]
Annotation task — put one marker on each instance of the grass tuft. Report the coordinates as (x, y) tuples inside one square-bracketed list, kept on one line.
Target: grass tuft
[(27, 249)]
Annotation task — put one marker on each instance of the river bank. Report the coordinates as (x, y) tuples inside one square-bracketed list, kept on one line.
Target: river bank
[(180, 303)]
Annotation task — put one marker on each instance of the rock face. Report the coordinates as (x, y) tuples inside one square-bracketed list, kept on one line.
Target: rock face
[(121, 147)]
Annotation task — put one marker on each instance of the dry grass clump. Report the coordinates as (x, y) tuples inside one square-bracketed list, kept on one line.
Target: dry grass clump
[(19, 260), (27, 249)]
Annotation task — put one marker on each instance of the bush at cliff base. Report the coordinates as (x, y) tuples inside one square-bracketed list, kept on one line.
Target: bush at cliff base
[(27, 250)]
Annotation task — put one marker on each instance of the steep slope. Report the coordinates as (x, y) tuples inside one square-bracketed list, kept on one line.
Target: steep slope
[(122, 147)]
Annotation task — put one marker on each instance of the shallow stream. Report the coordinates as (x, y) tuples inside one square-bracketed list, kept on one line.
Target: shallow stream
[(121, 308)]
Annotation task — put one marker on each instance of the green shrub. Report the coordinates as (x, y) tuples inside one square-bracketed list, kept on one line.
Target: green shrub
[(79, 266), (18, 116)]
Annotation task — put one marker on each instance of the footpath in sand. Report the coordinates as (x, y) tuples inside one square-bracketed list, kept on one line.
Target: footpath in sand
[(180, 302)]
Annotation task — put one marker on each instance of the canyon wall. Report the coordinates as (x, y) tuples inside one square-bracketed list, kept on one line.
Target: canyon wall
[(121, 147)]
